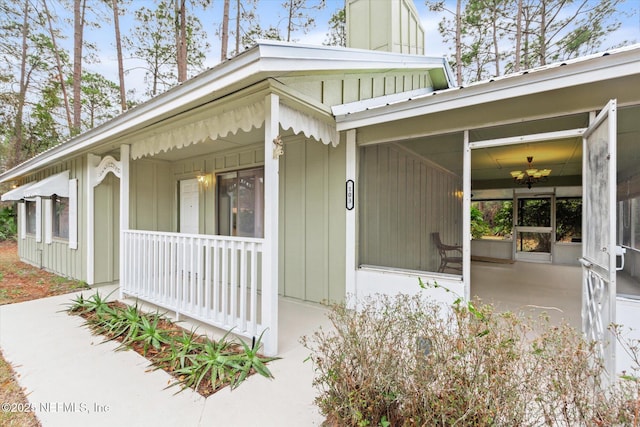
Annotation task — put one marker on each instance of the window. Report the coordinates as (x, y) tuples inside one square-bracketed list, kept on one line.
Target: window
[(629, 222), (241, 203), (534, 212), (60, 217), (492, 219), (569, 220), (30, 209)]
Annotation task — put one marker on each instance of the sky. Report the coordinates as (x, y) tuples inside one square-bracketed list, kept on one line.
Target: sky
[(271, 11)]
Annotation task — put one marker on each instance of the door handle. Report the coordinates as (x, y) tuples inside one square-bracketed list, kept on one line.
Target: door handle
[(585, 263), (620, 251)]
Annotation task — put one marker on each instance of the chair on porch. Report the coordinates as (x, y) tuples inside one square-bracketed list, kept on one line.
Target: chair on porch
[(448, 254)]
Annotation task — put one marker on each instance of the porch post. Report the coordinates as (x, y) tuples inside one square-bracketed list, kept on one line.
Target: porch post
[(270, 248), (466, 218), (351, 235), (124, 211), (92, 162)]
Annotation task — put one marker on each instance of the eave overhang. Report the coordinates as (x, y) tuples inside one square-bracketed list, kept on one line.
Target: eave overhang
[(268, 59), (602, 67)]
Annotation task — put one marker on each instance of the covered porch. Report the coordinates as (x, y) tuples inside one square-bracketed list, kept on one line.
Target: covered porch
[(198, 209), (425, 160)]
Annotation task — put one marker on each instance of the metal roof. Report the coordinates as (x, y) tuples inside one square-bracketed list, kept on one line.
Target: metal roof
[(409, 104)]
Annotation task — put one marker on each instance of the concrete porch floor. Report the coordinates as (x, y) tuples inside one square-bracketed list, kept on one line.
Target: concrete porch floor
[(530, 288), (534, 288)]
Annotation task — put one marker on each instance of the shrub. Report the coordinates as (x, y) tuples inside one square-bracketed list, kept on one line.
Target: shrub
[(8, 226), (479, 226), (408, 361)]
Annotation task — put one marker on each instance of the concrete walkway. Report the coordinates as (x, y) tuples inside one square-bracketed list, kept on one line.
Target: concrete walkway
[(73, 379)]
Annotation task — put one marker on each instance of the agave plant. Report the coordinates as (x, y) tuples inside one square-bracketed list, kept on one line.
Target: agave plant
[(215, 361), (150, 334), (94, 304), (123, 324), (180, 349), (251, 360)]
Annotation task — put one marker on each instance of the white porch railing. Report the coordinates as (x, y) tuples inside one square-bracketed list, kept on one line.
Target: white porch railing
[(213, 279)]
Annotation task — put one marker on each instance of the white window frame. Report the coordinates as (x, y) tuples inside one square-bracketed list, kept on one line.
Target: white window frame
[(37, 233), (52, 220)]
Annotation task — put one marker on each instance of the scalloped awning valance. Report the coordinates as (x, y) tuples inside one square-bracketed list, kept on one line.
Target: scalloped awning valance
[(243, 118)]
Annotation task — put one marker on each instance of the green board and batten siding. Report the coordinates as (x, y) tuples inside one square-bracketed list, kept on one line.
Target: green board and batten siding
[(107, 230), (403, 200), (151, 195), (312, 206), (312, 221), (56, 256), (343, 88), (312, 218)]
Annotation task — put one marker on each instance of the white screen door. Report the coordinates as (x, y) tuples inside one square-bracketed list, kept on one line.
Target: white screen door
[(189, 209), (598, 247)]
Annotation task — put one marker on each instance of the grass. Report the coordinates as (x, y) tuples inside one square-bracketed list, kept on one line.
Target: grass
[(10, 393)]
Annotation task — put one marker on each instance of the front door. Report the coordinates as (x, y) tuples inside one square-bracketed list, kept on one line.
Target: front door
[(189, 209), (598, 247)]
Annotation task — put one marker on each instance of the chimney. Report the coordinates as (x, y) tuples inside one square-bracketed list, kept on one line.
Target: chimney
[(386, 25)]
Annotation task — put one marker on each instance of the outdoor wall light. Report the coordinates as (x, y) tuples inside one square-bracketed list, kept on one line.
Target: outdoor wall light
[(530, 175), (204, 180)]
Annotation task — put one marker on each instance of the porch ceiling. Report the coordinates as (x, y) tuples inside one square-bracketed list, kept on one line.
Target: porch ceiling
[(491, 166)]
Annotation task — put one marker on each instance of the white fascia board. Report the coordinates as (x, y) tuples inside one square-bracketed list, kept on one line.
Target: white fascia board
[(598, 69), (302, 57)]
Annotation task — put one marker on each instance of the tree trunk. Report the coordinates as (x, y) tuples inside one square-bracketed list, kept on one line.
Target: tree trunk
[(181, 39), (518, 36), (63, 85), (290, 21), (459, 42), (18, 138), (496, 47), (78, 27), (116, 24), (543, 33), (239, 15), (224, 42)]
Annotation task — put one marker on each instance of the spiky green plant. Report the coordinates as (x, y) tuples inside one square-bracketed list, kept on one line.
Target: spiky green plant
[(215, 361), (149, 334), (252, 360), (96, 303), (180, 349)]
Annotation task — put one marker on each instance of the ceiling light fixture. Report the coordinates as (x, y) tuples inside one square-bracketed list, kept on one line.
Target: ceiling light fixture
[(530, 175)]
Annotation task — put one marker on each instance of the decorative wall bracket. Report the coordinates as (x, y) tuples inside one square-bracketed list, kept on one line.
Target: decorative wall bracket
[(106, 165)]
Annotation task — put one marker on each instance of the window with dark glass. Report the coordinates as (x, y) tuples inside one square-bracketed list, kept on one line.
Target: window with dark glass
[(241, 203), (30, 209), (534, 212), (60, 217), (569, 220)]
